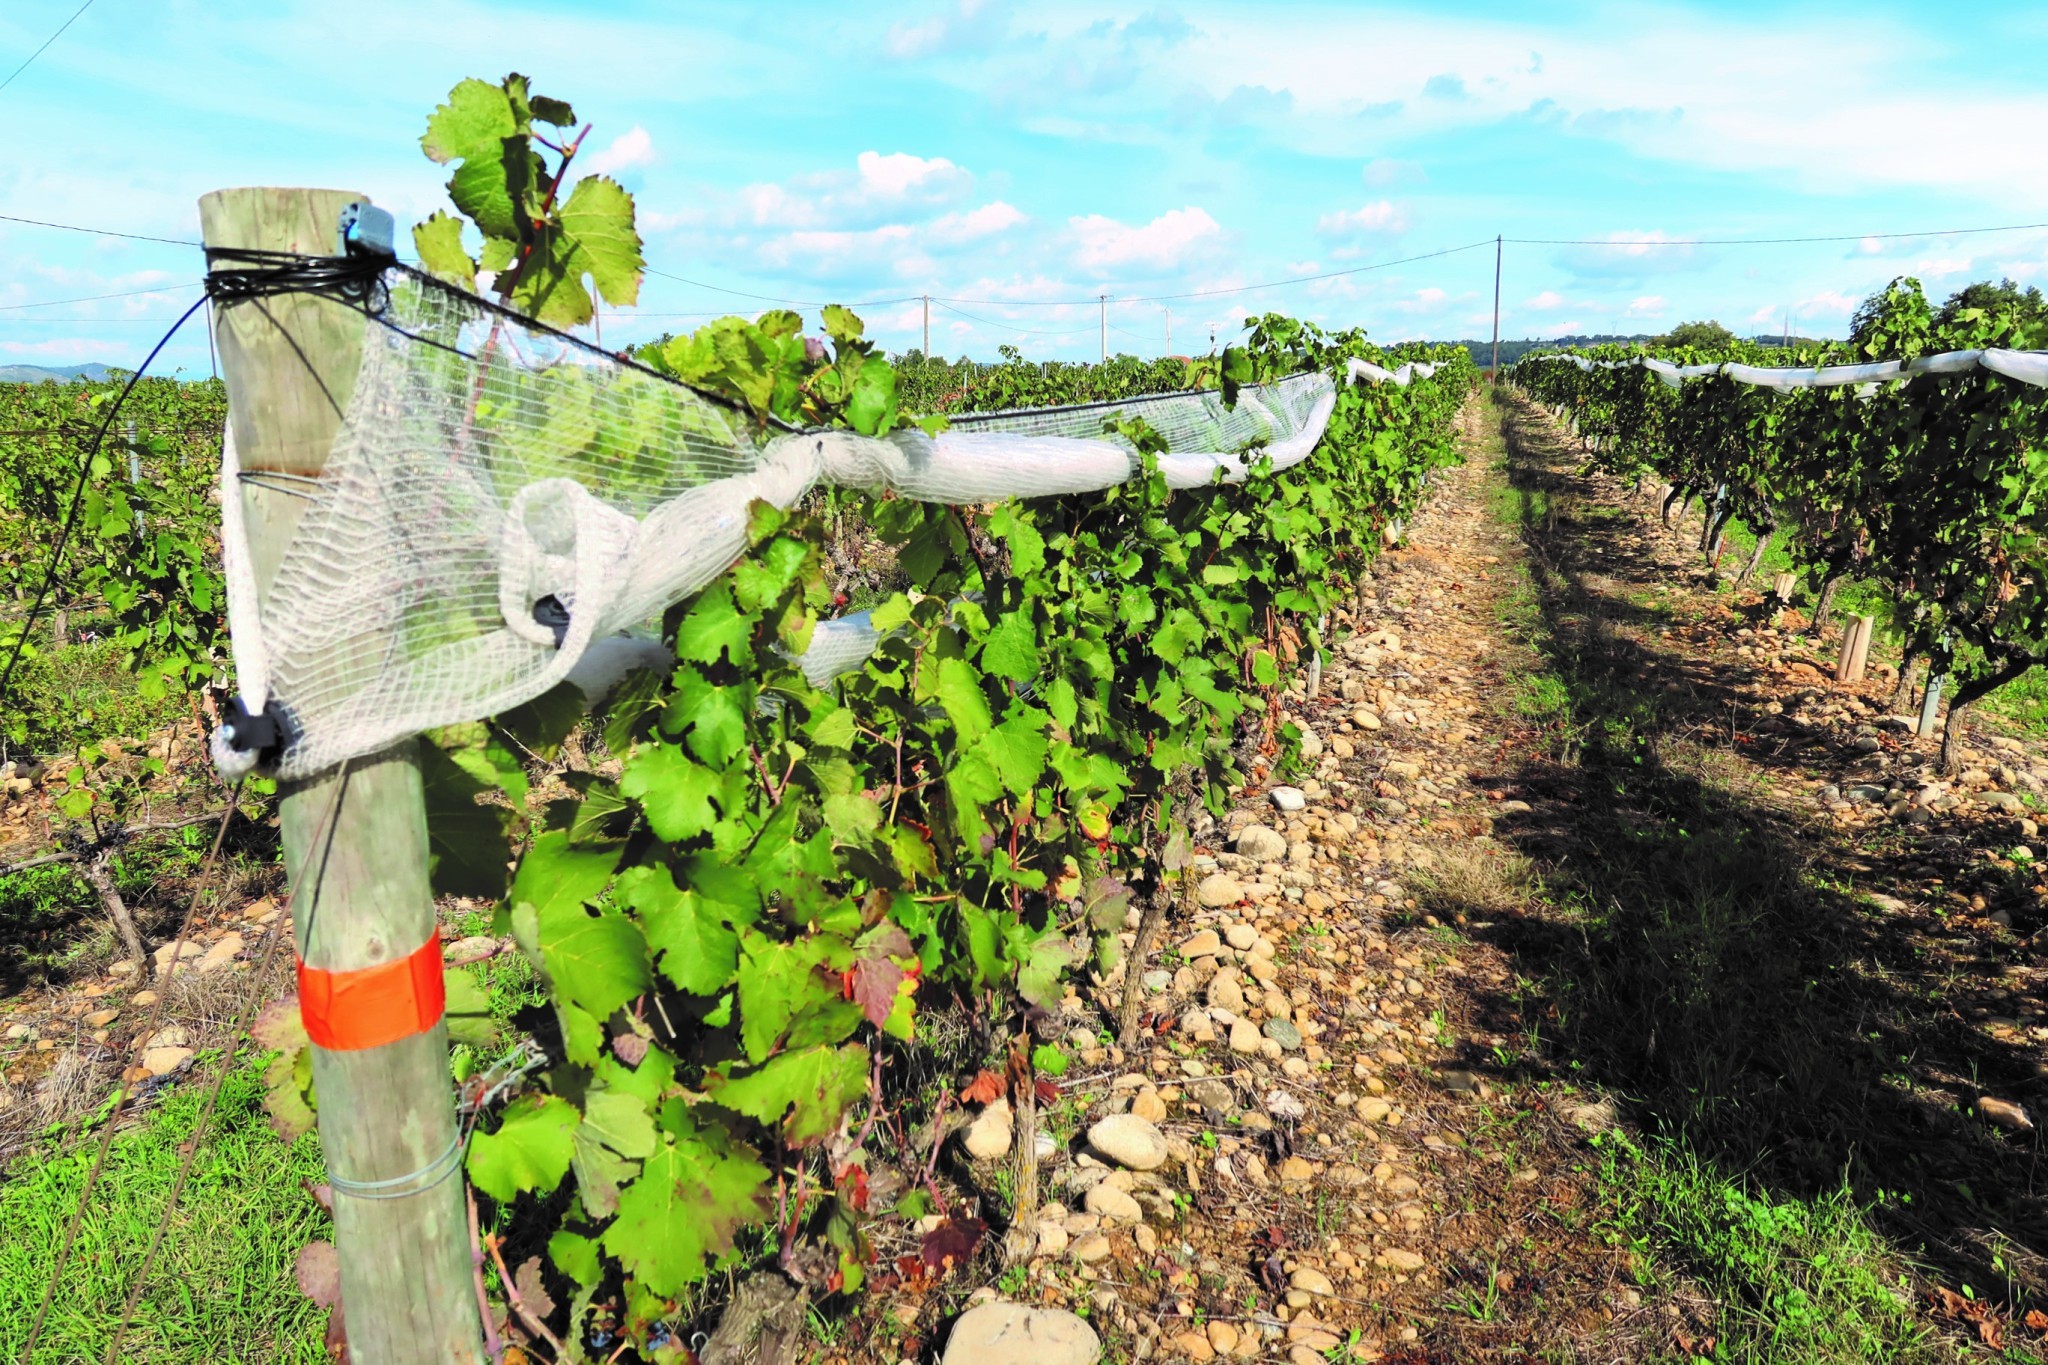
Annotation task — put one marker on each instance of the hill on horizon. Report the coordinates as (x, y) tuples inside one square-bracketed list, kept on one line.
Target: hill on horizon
[(36, 374)]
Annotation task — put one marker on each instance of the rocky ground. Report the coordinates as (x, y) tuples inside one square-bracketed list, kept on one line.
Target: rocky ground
[(1366, 1121)]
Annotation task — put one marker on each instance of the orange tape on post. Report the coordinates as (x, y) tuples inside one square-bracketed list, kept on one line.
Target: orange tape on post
[(371, 1006)]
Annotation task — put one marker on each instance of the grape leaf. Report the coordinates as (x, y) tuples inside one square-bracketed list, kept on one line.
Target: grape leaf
[(699, 949), (529, 1151), (674, 791), (812, 1087), (597, 960), (439, 243), (694, 1192)]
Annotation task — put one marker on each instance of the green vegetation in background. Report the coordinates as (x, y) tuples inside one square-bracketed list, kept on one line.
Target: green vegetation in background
[(222, 1288)]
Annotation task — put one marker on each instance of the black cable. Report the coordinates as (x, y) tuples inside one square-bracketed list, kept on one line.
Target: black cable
[(78, 494), (46, 43), (95, 232), (88, 298), (1011, 327), (770, 298), (1762, 241)]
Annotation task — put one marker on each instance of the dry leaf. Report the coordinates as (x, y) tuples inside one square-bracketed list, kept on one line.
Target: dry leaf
[(983, 1088)]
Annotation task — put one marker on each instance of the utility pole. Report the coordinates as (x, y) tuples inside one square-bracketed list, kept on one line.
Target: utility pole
[(355, 839), (927, 326), (1102, 302), (1497, 244), (597, 318)]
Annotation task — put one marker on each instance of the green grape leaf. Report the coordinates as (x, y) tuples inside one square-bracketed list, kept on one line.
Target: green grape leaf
[(529, 1151), (694, 1193), (675, 792), (439, 243), (812, 1087), (699, 950), (597, 960)]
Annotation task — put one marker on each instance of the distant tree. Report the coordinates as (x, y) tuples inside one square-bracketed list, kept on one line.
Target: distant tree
[(1995, 299), (1697, 334)]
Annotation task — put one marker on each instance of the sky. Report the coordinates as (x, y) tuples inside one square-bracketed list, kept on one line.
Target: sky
[(1016, 162)]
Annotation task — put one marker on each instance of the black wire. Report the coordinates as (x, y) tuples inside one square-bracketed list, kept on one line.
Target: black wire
[(46, 43), (78, 494), (1761, 241), (95, 232)]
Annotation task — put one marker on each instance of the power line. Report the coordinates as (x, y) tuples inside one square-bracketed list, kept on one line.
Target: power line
[(1010, 327), (1765, 241), (94, 298), (1215, 293), (97, 232), (46, 42), (771, 298)]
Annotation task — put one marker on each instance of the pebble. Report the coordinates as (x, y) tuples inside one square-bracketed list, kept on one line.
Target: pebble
[(1241, 937), (1284, 1033), (1261, 845), (2004, 1114), (1129, 1141), (1204, 944), (1396, 1258), (1244, 1036), (162, 1061), (988, 1138), (1112, 1205), (1091, 1248), (1312, 1281), (1001, 1333), (1288, 799)]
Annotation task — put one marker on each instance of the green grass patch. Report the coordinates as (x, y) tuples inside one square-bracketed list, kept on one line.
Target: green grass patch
[(62, 698), (222, 1288), (1791, 1280)]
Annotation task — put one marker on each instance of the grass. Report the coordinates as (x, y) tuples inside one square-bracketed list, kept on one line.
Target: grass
[(222, 1288), (1791, 1279), (62, 698)]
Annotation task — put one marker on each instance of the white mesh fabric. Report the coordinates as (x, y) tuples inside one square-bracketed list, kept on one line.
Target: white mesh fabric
[(2028, 367), (505, 507)]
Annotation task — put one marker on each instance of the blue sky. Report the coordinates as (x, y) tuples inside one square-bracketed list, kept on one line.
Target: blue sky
[(1016, 159)]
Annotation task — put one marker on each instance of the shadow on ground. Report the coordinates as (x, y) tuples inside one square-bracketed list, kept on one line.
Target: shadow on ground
[(1704, 952)]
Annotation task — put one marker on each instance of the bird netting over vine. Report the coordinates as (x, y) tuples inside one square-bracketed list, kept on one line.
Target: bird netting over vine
[(504, 503)]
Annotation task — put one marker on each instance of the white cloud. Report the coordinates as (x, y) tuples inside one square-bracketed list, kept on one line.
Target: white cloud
[(634, 147), (1104, 244), (1380, 216), (986, 221), (1829, 303), (1647, 306), (1545, 301), (900, 174), (970, 24)]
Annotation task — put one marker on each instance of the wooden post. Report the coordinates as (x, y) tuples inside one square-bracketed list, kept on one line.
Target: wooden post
[(1852, 641), (1781, 588), (355, 839), (1860, 660)]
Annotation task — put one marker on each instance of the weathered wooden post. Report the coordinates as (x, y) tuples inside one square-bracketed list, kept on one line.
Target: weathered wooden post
[(355, 840), (1860, 659), (1855, 647), (1782, 587)]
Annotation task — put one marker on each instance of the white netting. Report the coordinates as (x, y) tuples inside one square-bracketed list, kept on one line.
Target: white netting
[(502, 504), (2028, 367)]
